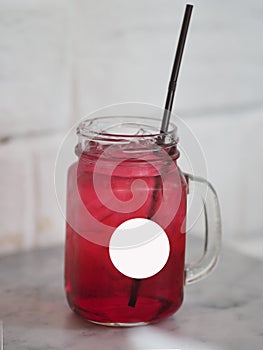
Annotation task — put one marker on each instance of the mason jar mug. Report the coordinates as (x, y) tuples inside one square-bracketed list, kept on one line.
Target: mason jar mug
[(126, 223)]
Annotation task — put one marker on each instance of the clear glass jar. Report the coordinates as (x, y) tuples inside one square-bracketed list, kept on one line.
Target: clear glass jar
[(127, 171)]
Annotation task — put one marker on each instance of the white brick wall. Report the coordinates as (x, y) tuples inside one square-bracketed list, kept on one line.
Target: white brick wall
[(35, 61), (35, 66), (49, 223), (233, 151), (124, 51), (60, 60), (16, 193), (29, 213)]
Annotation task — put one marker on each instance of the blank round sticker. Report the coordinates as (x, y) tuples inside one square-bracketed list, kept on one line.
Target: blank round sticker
[(139, 248)]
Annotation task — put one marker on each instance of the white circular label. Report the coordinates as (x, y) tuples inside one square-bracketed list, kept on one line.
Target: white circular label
[(139, 248)]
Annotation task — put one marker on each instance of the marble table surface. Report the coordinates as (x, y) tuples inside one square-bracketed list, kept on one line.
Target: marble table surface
[(225, 311)]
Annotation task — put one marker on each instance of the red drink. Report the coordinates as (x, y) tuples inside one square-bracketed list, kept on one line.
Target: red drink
[(95, 288)]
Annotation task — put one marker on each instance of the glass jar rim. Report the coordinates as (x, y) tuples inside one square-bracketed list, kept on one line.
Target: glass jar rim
[(89, 127)]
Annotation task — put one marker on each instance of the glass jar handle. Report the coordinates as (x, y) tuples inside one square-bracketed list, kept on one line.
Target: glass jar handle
[(195, 271)]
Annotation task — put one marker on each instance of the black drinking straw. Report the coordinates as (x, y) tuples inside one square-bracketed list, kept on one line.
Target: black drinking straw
[(165, 121), (175, 70)]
